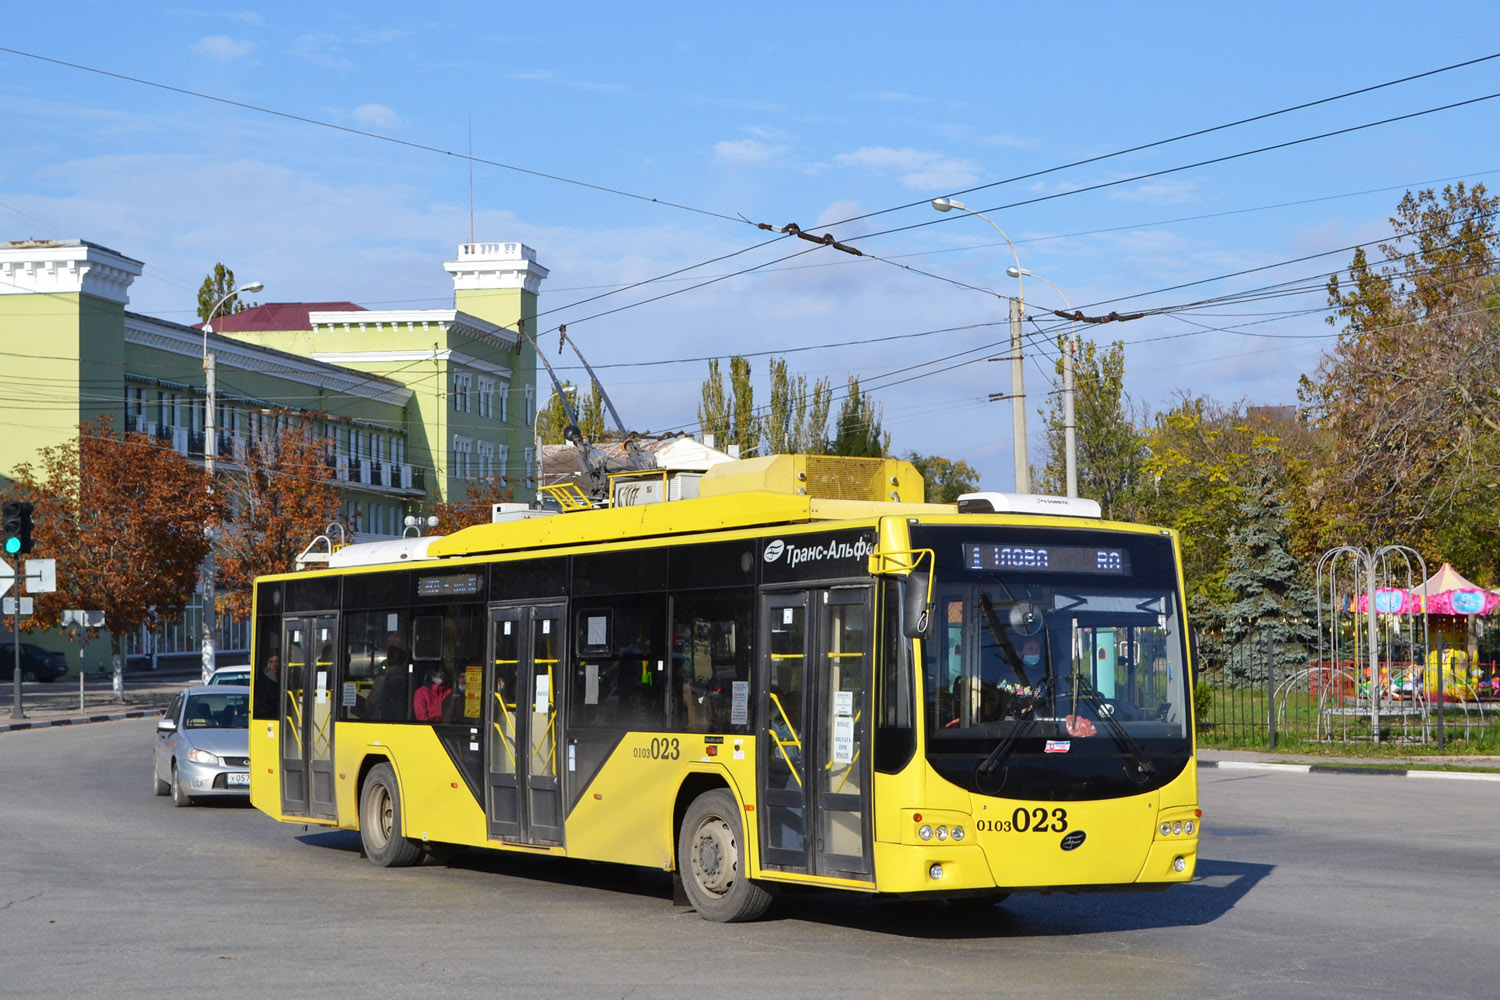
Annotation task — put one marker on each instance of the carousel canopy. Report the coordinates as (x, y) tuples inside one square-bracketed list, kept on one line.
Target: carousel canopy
[(1447, 592)]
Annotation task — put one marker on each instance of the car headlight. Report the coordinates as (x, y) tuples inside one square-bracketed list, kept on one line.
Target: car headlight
[(202, 757)]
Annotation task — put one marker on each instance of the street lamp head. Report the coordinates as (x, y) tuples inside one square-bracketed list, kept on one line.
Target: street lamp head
[(1016, 272), (944, 204), (253, 286)]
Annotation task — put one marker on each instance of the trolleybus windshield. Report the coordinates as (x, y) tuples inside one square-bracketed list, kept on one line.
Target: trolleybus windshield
[(1055, 664)]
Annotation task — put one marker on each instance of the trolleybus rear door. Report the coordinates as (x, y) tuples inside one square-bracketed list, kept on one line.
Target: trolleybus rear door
[(815, 762), (524, 793), (307, 685)]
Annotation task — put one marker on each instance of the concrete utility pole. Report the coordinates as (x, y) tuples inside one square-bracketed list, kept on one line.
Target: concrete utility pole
[(210, 452), (1018, 398), (1017, 370)]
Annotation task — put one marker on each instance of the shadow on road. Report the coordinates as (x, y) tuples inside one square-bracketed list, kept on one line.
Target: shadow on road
[(1216, 888)]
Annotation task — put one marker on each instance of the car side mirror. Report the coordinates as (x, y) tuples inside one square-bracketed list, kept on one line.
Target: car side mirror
[(167, 726), (916, 613)]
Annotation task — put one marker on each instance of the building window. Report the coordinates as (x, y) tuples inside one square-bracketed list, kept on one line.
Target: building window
[(461, 383), (531, 469), (462, 449), (504, 403), (486, 398), (503, 466), (530, 405), (486, 459)]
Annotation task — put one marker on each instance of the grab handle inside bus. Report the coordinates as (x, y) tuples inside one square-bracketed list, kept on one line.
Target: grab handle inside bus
[(917, 612)]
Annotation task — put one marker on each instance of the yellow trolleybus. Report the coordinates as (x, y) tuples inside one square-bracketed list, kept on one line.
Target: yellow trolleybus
[(801, 676)]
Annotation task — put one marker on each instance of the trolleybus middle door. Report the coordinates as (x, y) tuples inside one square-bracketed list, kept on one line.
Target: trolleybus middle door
[(815, 762), (307, 685), (525, 668)]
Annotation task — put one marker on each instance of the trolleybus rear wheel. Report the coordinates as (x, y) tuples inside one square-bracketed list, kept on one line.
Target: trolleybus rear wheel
[(711, 860), (380, 821)]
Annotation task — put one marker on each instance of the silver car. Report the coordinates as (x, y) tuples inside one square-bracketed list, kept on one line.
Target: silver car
[(203, 745)]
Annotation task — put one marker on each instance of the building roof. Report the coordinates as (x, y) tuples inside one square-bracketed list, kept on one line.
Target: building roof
[(277, 316), (559, 462)]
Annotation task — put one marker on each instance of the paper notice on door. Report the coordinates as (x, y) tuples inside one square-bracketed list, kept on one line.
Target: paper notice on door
[(739, 703), (843, 703), (543, 693), (322, 692), (843, 739), (591, 683)]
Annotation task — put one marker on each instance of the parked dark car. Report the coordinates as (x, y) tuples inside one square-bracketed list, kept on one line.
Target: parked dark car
[(37, 664)]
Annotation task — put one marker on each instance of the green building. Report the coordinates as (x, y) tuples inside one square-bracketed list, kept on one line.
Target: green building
[(414, 404)]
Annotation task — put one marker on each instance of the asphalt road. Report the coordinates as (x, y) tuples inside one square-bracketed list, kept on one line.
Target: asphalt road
[(1311, 885)]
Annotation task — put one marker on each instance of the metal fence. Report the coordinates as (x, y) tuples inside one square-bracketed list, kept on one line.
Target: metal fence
[(1264, 695)]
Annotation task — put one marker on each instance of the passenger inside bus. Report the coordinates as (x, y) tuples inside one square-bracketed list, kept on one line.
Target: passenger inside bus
[(432, 700)]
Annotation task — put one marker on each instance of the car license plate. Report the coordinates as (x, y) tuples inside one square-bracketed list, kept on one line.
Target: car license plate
[(237, 779)]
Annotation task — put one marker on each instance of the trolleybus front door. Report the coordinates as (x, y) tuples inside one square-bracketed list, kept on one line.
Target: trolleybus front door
[(307, 685), (524, 796), (815, 759)]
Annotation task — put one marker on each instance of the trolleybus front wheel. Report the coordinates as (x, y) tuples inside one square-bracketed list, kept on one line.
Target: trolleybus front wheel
[(711, 860), (380, 821)]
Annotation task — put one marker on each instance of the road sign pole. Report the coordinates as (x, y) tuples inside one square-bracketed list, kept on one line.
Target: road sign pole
[(16, 711)]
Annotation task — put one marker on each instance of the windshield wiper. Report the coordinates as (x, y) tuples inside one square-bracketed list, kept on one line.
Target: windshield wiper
[(997, 756), (1143, 765)]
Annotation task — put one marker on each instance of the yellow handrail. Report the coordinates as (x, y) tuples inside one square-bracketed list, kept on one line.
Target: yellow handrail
[(781, 744)]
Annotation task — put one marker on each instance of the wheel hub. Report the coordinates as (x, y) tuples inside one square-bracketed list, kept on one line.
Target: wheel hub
[(714, 857)]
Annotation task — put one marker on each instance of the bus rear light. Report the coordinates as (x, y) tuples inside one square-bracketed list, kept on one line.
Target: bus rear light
[(1166, 829), (942, 833), (936, 871), (1177, 827), (1187, 827), (958, 833), (924, 832)]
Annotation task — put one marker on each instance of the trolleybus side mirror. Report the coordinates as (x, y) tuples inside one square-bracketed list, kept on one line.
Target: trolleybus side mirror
[(916, 615)]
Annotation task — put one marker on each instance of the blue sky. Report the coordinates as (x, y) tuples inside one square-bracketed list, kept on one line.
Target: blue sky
[(776, 113)]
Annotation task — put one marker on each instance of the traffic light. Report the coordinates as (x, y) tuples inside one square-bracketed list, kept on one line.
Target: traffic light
[(15, 524)]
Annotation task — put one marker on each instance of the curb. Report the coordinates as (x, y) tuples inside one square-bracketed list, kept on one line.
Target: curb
[(78, 720), (1384, 772)]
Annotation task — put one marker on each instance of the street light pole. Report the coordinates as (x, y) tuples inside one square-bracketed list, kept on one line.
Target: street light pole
[(210, 452), (1069, 360), (1017, 370)]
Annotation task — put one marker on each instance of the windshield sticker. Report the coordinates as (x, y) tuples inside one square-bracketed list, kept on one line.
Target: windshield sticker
[(1058, 746)]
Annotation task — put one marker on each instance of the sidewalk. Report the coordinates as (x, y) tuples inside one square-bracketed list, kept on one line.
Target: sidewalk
[(57, 704), (1471, 767)]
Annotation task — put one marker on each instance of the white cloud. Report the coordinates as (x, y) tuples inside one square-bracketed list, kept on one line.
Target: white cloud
[(222, 48), (747, 152), (322, 49), (919, 169), (376, 116), (1160, 191)]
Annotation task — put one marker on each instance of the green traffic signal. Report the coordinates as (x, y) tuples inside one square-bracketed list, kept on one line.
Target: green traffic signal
[(15, 522), (12, 545)]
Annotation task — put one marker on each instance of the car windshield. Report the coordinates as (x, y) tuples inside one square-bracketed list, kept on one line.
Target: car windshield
[(1055, 651), (231, 677), (230, 710)]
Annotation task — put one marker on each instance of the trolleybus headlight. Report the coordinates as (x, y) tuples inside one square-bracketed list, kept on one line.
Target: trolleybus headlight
[(936, 871), (958, 833), (924, 832), (942, 833), (1177, 827), (1187, 828), (1166, 829), (1179, 864), (202, 757)]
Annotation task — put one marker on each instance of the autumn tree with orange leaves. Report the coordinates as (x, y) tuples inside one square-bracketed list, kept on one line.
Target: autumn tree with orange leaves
[(283, 498), (476, 506), (125, 518)]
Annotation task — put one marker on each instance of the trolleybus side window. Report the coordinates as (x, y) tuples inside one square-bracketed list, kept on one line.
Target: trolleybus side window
[(896, 727), (620, 681), (711, 658)]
